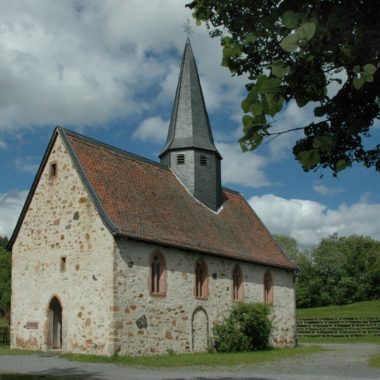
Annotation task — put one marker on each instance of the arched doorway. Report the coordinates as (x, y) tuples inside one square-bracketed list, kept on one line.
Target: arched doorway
[(55, 324), (199, 330)]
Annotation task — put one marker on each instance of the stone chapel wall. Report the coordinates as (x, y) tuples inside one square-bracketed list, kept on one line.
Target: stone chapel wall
[(62, 229), (179, 321)]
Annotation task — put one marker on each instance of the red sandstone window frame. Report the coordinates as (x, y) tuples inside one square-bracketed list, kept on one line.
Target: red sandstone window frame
[(268, 288), (201, 280), (157, 275), (53, 170), (237, 284)]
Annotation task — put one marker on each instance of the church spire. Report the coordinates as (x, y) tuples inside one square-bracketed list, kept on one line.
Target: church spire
[(189, 123), (190, 150)]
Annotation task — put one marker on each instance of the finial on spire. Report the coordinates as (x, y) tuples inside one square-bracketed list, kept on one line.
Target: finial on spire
[(187, 28)]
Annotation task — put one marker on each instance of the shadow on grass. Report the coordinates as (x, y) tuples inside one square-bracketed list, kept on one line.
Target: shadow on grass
[(53, 374)]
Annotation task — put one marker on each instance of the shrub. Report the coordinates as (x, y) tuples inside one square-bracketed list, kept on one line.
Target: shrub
[(247, 328)]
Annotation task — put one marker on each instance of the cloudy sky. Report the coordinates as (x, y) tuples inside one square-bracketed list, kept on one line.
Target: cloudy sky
[(108, 69)]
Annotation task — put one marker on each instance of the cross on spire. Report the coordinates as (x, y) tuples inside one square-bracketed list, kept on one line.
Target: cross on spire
[(187, 28)]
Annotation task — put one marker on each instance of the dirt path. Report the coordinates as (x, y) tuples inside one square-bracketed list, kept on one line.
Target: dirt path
[(343, 362)]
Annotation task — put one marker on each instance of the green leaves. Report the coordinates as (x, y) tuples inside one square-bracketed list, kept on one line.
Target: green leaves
[(291, 19), (293, 52), (358, 82), (257, 109), (309, 158), (341, 165), (250, 38), (279, 68), (363, 75), (304, 32), (290, 43), (270, 86), (231, 50)]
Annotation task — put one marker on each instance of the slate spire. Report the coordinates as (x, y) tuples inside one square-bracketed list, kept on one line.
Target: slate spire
[(190, 150), (189, 124)]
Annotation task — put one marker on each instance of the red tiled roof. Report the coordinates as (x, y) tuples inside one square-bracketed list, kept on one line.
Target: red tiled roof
[(144, 200)]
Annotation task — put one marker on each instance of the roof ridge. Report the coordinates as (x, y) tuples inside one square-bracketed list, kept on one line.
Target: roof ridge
[(115, 150), (224, 188)]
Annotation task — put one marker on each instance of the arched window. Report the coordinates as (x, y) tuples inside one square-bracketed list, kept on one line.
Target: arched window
[(157, 274), (237, 284), (201, 279), (268, 288)]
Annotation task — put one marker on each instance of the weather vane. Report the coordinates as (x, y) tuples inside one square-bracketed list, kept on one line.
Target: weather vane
[(187, 28)]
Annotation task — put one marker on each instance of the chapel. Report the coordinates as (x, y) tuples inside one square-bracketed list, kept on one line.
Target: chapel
[(115, 253)]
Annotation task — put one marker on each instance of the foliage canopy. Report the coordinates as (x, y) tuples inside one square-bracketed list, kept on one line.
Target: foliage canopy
[(298, 50), (338, 271)]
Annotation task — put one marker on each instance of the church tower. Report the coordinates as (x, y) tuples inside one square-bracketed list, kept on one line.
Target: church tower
[(190, 150)]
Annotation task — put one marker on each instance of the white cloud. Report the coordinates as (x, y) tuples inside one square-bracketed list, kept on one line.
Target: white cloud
[(309, 221), (11, 204), (76, 63), (328, 191), (291, 117), (240, 168), (153, 129), (27, 165)]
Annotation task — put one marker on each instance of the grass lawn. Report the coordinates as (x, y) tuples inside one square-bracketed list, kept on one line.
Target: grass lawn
[(360, 339), (199, 359), (365, 309), (3, 322), (374, 361), (5, 350)]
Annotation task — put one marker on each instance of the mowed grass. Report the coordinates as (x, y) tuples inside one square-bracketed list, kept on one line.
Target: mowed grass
[(365, 309), (199, 359), (343, 340), (374, 361), (6, 350)]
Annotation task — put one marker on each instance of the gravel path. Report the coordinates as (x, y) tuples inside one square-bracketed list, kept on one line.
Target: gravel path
[(343, 362)]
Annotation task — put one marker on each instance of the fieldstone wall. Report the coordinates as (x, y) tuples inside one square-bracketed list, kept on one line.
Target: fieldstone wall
[(179, 322), (62, 223)]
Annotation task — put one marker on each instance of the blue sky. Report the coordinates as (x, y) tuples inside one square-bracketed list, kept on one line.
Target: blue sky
[(109, 69)]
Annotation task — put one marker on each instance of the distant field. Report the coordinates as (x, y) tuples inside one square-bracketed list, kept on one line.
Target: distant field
[(366, 309)]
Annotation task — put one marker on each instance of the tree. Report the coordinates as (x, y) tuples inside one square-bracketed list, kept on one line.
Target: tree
[(340, 270), (5, 276), (296, 50)]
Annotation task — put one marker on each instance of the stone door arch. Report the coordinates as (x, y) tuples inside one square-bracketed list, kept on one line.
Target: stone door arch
[(55, 324), (199, 330)]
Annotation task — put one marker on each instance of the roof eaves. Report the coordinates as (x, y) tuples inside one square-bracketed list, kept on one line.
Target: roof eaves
[(204, 251), (98, 204)]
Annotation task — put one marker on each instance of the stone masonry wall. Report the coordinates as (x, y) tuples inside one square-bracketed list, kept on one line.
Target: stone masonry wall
[(179, 322), (62, 222)]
